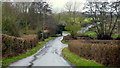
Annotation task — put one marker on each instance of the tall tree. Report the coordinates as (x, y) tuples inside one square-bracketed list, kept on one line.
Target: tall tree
[(21, 17), (71, 23), (105, 15)]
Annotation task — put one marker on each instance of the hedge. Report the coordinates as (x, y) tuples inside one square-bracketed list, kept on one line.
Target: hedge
[(13, 46), (105, 52)]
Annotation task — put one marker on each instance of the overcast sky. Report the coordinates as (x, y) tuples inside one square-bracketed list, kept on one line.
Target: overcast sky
[(59, 5)]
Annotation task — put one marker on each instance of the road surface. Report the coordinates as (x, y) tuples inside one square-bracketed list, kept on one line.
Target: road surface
[(49, 55), (83, 30)]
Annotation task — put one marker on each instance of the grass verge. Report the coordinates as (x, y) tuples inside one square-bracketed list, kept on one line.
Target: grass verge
[(8, 61), (78, 61), (65, 32)]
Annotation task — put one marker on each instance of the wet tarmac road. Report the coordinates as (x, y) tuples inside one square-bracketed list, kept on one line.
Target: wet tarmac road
[(49, 55)]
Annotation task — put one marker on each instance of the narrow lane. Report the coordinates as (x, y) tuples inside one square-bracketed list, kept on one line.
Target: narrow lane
[(49, 55)]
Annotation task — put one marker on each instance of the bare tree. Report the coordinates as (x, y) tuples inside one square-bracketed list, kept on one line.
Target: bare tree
[(75, 8), (105, 15), (72, 25), (69, 6)]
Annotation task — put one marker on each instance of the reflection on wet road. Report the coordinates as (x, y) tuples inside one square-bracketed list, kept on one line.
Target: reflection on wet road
[(49, 55)]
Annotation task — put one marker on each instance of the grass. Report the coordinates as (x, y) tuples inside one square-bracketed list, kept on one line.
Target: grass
[(115, 36), (64, 42), (94, 35), (78, 61), (8, 61), (65, 32), (91, 34)]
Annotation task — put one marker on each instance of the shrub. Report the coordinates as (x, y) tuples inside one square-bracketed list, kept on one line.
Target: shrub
[(104, 51), (84, 37), (13, 46), (68, 37)]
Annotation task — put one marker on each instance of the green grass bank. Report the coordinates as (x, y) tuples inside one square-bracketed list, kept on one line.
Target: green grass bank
[(78, 61)]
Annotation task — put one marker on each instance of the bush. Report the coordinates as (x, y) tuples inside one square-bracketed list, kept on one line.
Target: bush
[(68, 37), (13, 46), (104, 51), (84, 37), (79, 61)]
